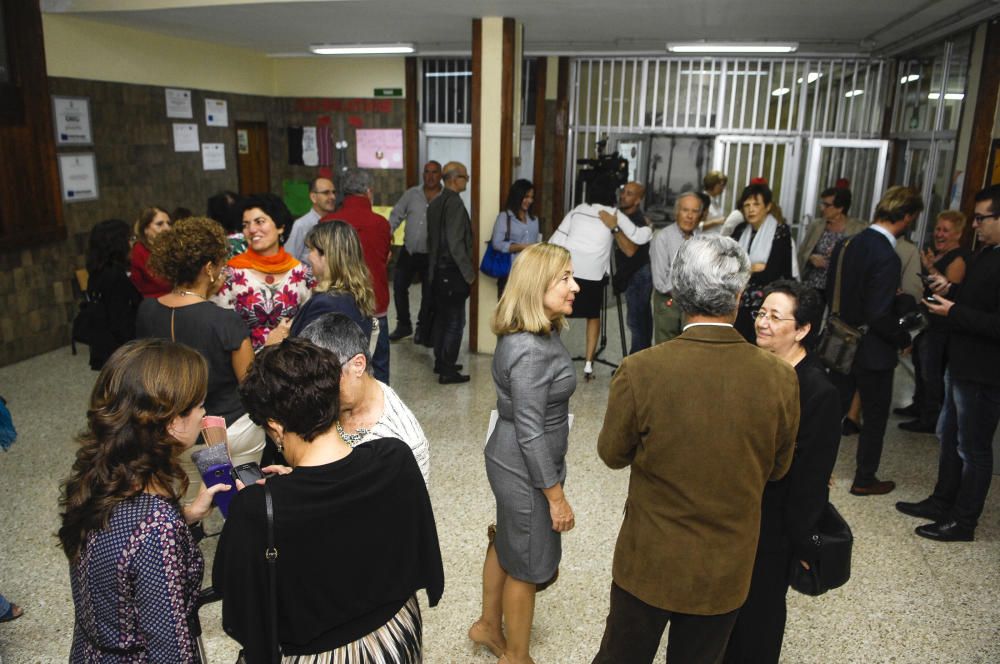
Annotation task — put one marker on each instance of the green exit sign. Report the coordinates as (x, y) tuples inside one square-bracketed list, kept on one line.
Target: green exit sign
[(388, 92)]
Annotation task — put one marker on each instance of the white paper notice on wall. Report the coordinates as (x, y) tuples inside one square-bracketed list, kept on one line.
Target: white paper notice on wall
[(213, 156), (310, 148), (216, 113), (72, 118), (179, 103), (78, 177), (186, 138)]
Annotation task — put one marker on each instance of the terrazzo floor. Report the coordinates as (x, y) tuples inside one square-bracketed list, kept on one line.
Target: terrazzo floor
[(909, 600)]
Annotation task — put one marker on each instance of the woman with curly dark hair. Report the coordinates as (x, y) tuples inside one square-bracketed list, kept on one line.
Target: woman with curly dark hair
[(135, 571), (110, 295), (353, 527), (192, 257)]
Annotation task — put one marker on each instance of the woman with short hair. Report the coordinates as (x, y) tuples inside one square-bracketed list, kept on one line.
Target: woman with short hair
[(353, 529), (135, 569), (787, 324), (526, 452), (193, 259), (152, 221), (265, 284), (343, 283)]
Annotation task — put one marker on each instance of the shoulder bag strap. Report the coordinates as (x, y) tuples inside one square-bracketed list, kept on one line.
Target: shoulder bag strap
[(506, 238), (271, 554), (835, 305)]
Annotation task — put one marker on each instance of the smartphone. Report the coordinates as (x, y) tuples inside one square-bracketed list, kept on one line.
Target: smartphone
[(248, 473), (931, 299), (220, 474), (926, 279)]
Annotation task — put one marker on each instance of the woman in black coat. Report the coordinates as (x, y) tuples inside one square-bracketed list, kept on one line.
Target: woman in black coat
[(785, 324), (112, 298)]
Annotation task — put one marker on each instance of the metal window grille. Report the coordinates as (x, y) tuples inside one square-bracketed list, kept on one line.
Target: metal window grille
[(446, 92)]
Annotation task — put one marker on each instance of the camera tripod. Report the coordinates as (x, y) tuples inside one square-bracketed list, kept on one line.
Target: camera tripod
[(602, 343)]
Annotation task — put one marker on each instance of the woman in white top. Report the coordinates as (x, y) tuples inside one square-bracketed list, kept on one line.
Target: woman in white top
[(714, 183), (588, 231), (369, 409)]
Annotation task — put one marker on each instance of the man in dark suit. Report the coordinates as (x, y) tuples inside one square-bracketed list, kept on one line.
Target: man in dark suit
[(689, 536), (971, 409), (870, 279), (451, 269)]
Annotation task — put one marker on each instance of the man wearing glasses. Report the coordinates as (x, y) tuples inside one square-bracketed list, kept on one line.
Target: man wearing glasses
[(451, 269), (323, 195), (412, 208), (971, 409)]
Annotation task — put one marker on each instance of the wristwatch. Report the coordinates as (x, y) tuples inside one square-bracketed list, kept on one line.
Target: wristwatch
[(615, 230)]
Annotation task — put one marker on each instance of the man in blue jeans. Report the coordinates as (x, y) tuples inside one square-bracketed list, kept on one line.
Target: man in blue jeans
[(632, 273), (971, 408)]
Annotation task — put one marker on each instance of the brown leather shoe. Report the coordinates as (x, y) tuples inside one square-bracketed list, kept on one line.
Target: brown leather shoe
[(876, 488)]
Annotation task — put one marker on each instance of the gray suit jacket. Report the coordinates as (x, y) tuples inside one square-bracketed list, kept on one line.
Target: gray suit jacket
[(449, 234)]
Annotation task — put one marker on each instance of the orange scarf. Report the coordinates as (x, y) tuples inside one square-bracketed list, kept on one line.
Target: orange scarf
[(276, 264)]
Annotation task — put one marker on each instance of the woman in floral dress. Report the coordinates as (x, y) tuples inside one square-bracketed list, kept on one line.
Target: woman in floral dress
[(266, 285)]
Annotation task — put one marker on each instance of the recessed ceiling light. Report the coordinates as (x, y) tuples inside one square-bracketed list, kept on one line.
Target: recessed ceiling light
[(361, 49), (732, 47), (949, 96), (909, 79), (780, 92), (853, 93)]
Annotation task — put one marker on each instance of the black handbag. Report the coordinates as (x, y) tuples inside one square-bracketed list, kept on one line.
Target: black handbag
[(271, 554), (831, 567), (839, 342)]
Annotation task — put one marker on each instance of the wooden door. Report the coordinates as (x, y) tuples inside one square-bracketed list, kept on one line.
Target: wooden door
[(253, 161)]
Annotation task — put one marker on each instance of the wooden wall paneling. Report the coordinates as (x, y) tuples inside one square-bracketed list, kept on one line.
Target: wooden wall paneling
[(538, 168), (507, 113), (477, 109), (411, 132), (983, 119), (560, 144)]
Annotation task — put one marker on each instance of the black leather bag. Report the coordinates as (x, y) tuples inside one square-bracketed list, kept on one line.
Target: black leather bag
[(839, 342), (832, 563)]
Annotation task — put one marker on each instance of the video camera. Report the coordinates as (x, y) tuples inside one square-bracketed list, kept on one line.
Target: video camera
[(598, 179)]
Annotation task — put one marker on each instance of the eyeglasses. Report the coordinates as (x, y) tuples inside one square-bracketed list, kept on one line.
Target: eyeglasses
[(774, 319), (467, 177), (326, 192), (824, 204), (980, 218)]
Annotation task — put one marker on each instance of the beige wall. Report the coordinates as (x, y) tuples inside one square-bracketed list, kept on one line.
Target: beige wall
[(85, 49)]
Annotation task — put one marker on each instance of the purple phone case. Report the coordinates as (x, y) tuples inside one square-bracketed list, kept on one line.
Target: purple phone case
[(221, 474)]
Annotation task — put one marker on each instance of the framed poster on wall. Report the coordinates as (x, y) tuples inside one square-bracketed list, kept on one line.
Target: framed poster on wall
[(71, 118), (78, 177)]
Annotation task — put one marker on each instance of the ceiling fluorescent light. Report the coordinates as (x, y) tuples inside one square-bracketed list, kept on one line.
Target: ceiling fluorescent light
[(949, 96), (909, 79), (812, 78), (853, 93), (780, 92), (361, 49), (732, 47)]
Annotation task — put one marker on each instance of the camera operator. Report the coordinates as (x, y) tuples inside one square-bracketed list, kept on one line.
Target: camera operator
[(588, 231), (632, 271)]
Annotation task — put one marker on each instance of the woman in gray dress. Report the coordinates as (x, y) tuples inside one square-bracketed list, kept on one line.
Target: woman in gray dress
[(526, 453)]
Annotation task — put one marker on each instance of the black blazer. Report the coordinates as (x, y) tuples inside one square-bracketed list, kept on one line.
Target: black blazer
[(871, 277), (974, 321)]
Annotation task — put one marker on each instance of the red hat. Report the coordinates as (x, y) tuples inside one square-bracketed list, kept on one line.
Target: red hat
[(760, 180)]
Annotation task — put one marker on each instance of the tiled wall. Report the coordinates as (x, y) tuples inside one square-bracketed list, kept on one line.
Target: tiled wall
[(137, 166)]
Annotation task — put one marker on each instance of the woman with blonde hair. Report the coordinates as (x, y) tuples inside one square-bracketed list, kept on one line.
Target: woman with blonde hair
[(526, 451), (344, 284), (135, 570), (152, 221)]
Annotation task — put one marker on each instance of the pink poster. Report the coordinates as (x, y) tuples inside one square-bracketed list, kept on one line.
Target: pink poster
[(380, 148)]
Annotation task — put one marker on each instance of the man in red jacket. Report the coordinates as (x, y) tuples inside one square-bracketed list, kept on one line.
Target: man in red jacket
[(373, 231)]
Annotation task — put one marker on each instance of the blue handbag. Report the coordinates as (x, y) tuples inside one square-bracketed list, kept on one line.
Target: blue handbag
[(495, 263)]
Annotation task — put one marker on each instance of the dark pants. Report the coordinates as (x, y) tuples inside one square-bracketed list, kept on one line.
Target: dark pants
[(450, 293), (760, 626), (638, 296), (380, 358), (875, 390), (966, 427), (407, 267), (634, 630), (929, 362)]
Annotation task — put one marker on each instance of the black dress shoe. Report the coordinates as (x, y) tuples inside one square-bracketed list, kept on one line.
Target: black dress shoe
[(916, 426), (908, 411), (850, 427), (457, 368), (452, 378), (876, 488), (401, 332), (946, 531), (419, 336), (925, 509)]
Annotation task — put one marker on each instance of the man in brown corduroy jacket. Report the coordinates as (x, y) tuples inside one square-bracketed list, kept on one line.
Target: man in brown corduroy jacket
[(703, 421)]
